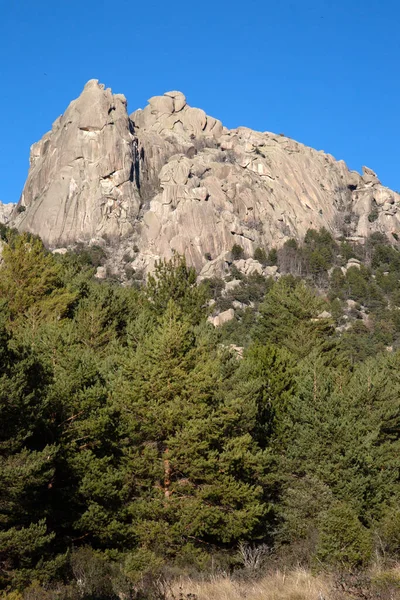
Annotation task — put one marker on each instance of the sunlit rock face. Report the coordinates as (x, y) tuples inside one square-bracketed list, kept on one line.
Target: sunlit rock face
[(81, 178), (170, 178), (6, 211)]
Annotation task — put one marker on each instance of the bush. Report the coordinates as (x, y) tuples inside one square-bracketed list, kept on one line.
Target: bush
[(343, 540), (373, 215), (260, 255), (213, 287), (389, 531), (91, 573), (273, 257), (237, 252), (142, 563), (90, 255)]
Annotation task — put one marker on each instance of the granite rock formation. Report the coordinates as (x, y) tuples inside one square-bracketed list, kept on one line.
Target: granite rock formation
[(170, 178), (81, 179), (6, 211)]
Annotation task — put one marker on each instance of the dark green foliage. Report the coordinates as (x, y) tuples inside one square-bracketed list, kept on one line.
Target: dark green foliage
[(91, 255), (289, 318), (272, 257), (213, 287), (185, 444), (133, 436), (373, 215), (312, 259), (347, 251), (237, 252), (175, 281), (340, 432), (261, 256), (27, 464), (343, 540), (389, 530), (31, 281)]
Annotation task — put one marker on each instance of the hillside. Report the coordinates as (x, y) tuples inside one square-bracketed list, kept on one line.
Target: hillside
[(200, 365), (145, 454)]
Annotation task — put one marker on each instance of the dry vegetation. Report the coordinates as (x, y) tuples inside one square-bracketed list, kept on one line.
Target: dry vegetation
[(298, 584)]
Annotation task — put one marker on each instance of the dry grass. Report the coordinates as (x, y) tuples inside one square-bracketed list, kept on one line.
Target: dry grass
[(297, 585)]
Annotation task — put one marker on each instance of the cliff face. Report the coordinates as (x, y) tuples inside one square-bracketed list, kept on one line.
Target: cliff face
[(81, 179), (170, 178)]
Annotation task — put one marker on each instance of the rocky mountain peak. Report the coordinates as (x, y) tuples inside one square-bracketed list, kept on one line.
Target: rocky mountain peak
[(81, 181), (169, 178), (171, 113)]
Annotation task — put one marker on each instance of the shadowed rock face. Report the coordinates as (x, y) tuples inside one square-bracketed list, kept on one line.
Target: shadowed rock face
[(170, 178)]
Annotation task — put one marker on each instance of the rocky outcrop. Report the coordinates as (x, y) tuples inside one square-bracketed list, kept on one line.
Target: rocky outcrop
[(170, 178), (5, 212), (222, 317), (81, 182)]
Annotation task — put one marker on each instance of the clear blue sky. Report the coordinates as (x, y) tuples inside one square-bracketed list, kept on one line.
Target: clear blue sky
[(323, 72)]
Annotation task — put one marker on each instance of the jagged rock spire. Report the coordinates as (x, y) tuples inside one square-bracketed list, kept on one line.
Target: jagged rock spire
[(81, 180)]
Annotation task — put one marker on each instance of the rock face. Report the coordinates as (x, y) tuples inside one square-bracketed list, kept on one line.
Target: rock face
[(170, 179), (5, 212), (81, 179)]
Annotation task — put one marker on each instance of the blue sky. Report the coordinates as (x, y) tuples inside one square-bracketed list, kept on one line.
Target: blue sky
[(324, 73)]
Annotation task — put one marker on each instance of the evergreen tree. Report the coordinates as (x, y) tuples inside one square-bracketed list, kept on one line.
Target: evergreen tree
[(27, 466), (30, 281), (194, 469), (289, 317), (174, 280), (342, 433)]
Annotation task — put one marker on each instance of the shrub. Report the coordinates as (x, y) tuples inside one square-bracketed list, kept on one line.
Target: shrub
[(260, 255), (273, 257), (237, 252), (213, 287), (373, 215), (343, 539), (91, 255), (255, 224), (253, 557), (21, 208), (129, 271), (389, 531), (91, 573)]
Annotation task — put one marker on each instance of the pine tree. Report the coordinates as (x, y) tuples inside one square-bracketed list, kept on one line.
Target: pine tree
[(342, 436), (30, 281), (27, 466), (289, 317), (174, 280), (191, 469)]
